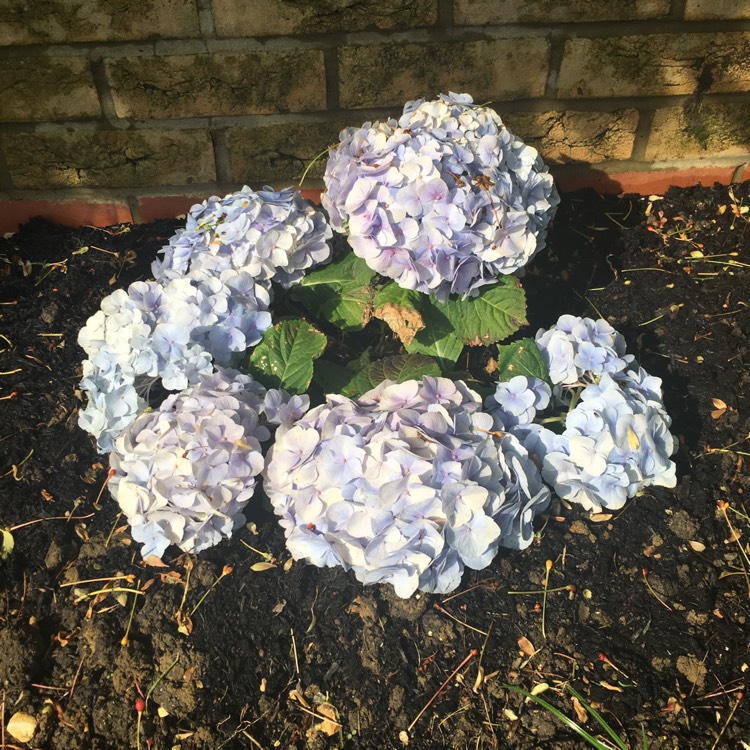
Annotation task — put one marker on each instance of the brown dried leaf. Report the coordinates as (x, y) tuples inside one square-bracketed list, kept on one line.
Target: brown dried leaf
[(188, 674), (720, 408), (613, 688), (171, 576), (405, 322), (581, 712), (154, 562), (329, 726), (526, 646), (733, 537)]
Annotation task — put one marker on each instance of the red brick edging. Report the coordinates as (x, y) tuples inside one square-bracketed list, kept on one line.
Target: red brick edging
[(77, 213)]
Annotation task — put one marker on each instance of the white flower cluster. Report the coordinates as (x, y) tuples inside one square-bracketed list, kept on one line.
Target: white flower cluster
[(184, 473), (209, 303), (443, 200), (405, 485), (615, 439)]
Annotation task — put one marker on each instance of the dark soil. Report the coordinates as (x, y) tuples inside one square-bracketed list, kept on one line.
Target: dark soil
[(654, 634)]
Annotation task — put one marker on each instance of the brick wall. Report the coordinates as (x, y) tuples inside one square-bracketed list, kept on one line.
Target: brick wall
[(129, 102)]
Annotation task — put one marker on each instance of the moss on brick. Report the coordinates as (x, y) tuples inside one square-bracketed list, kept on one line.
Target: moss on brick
[(483, 12), (273, 17), (49, 21), (47, 88), (281, 153), (709, 130), (119, 158), (220, 84), (390, 74)]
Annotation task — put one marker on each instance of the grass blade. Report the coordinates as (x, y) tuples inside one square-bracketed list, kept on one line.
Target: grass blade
[(566, 721), (602, 723)]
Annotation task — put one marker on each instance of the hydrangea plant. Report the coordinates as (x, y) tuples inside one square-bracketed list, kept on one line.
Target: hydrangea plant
[(406, 484), (443, 200), (397, 472), (615, 439), (208, 303)]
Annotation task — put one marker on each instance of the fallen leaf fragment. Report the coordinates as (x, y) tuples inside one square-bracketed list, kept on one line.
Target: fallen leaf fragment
[(600, 517), (526, 646), (261, 566), (581, 712), (609, 686), (21, 726), (697, 546), (719, 408), (510, 715), (539, 688), (329, 726), (154, 562)]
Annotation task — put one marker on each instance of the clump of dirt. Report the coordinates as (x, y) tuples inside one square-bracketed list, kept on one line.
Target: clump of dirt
[(646, 611)]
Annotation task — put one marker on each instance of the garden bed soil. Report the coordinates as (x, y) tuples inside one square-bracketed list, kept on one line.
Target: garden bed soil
[(647, 611)]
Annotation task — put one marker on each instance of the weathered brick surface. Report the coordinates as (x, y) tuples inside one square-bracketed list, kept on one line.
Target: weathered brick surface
[(698, 10), (47, 88), (655, 64), (49, 21), (280, 153), (483, 12), (710, 130), (219, 84), (273, 17), (564, 137), (118, 158), (384, 75)]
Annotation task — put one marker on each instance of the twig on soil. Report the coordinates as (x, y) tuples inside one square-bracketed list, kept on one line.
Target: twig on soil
[(603, 658), (547, 567), (734, 535), (225, 571), (113, 590), (15, 467), (651, 589), (737, 700), (51, 518), (75, 679), (294, 652), (129, 578), (460, 622), (474, 652), (109, 476)]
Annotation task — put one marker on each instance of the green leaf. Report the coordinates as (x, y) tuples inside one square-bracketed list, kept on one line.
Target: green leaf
[(330, 377), (498, 312), (284, 358), (400, 368), (400, 309), (339, 293), (522, 357), (437, 339)]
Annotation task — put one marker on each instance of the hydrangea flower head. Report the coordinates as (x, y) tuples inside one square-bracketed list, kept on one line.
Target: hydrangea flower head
[(614, 439), (267, 235), (184, 472), (444, 200), (406, 485)]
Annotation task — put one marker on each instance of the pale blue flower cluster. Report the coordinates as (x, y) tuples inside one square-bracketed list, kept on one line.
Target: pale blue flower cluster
[(444, 200), (406, 485), (184, 473), (615, 438), (267, 235), (208, 304)]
